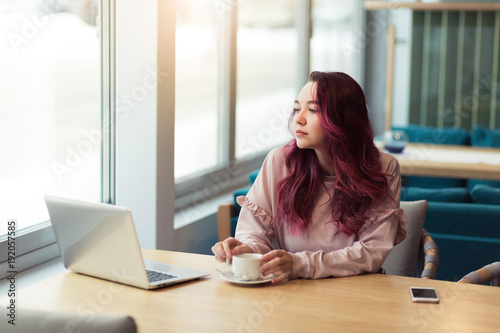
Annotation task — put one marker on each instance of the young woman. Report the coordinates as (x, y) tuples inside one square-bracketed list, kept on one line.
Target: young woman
[(327, 203)]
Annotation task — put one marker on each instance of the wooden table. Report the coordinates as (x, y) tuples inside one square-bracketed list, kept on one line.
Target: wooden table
[(449, 161), (366, 303)]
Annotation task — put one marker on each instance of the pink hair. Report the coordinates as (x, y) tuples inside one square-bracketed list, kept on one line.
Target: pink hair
[(359, 182)]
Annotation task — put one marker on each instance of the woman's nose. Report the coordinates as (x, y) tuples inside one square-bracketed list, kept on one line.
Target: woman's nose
[(300, 118)]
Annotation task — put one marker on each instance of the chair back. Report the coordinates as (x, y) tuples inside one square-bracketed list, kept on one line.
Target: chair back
[(417, 255), (41, 321), (489, 273)]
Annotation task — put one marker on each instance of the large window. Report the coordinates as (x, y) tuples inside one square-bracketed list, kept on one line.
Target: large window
[(196, 93), (266, 74), (337, 40), (50, 106), (236, 77)]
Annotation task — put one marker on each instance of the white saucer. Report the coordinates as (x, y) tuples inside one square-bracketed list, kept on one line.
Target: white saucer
[(229, 277)]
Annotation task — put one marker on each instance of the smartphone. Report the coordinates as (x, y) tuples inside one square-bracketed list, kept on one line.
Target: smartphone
[(425, 295)]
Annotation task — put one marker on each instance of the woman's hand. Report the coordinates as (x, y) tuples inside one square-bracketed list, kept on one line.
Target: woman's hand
[(228, 248), (277, 261)]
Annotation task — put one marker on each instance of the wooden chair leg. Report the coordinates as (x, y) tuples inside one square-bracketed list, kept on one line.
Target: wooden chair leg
[(489, 273), (224, 214), (431, 253)]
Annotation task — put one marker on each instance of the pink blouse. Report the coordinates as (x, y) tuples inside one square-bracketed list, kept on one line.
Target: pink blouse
[(321, 250)]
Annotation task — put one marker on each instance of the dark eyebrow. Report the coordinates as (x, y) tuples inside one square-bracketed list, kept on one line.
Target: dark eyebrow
[(308, 102)]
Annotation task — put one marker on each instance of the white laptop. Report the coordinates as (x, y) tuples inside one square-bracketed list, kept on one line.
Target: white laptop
[(99, 240)]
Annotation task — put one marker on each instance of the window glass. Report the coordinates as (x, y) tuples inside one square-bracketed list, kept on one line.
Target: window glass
[(196, 117), (49, 106), (266, 74), (336, 42)]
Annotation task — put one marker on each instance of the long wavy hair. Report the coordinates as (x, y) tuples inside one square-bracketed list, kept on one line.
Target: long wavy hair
[(359, 181)]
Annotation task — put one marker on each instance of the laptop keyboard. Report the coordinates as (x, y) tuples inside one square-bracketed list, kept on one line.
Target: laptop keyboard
[(155, 276)]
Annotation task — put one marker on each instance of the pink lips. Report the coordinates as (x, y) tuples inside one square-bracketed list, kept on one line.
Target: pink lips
[(299, 133)]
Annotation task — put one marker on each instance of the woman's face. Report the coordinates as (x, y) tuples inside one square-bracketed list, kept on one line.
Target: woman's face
[(306, 126)]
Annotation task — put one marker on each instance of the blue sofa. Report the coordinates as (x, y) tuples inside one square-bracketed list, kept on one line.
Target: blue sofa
[(464, 224), (464, 214)]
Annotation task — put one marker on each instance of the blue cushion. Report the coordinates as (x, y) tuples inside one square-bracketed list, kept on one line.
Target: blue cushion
[(475, 220), (452, 194), (468, 236), (252, 176), (432, 182), (471, 183), (485, 137), (441, 136), (484, 194), (459, 255)]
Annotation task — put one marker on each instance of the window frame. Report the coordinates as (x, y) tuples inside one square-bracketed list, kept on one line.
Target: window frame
[(37, 244)]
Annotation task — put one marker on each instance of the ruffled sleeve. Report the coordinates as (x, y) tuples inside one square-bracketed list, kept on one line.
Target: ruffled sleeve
[(254, 209), (255, 224), (254, 227)]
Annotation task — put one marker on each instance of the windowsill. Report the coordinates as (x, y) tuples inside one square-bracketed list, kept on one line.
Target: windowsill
[(35, 274), (199, 211)]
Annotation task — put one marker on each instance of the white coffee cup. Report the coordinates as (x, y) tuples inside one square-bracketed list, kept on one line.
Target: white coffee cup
[(246, 266)]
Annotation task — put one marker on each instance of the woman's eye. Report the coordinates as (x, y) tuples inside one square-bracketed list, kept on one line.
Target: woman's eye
[(312, 110), (296, 110)]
